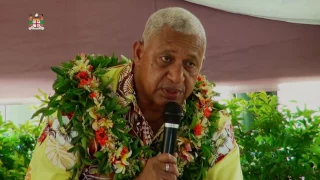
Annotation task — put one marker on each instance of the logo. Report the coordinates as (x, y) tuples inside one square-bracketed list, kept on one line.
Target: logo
[(36, 22)]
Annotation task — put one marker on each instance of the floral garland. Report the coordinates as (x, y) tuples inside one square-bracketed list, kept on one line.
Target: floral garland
[(83, 93)]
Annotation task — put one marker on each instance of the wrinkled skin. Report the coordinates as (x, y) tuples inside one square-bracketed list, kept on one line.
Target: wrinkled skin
[(166, 69)]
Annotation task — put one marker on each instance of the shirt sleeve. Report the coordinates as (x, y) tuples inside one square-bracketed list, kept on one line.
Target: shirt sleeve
[(50, 159), (227, 157)]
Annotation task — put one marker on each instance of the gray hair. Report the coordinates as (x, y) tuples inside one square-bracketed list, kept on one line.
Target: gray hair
[(179, 19)]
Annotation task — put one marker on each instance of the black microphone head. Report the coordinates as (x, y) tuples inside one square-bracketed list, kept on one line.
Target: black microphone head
[(172, 113)]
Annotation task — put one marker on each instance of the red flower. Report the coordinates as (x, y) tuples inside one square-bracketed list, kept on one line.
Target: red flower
[(92, 147), (124, 151), (44, 134), (198, 105), (200, 78), (93, 95), (69, 115), (207, 112), (203, 84), (82, 83), (202, 101), (90, 68), (101, 137), (204, 91), (82, 75), (113, 160), (220, 158), (198, 130)]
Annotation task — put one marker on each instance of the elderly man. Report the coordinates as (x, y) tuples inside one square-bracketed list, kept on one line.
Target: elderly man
[(166, 67)]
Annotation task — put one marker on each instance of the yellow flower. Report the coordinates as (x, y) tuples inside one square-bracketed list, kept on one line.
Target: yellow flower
[(80, 65), (120, 166), (95, 125), (125, 157), (94, 83), (92, 112), (102, 123), (187, 143), (98, 100), (118, 152), (186, 155), (106, 123)]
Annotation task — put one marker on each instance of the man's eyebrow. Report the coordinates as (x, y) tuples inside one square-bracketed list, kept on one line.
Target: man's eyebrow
[(191, 55)]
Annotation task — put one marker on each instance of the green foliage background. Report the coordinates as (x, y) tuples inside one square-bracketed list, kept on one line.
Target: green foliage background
[(278, 143), (275, 144)]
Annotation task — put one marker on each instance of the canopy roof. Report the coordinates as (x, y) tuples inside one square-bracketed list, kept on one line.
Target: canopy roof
[(246, 52)]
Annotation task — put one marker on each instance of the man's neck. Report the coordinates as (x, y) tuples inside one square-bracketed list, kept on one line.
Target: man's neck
[(152, 114)]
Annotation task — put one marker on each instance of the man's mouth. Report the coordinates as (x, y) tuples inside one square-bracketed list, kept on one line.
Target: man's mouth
[(171, 93)]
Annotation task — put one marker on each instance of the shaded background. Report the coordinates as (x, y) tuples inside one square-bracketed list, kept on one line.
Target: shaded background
[(244, 52)]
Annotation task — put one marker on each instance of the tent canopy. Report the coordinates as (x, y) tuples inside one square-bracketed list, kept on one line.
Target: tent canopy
[(246, 52)]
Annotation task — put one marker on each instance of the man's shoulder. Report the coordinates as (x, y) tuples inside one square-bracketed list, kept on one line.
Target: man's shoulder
[(224, 120), (223, 139)]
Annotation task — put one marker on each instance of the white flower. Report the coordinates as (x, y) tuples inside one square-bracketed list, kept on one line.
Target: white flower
[(57, 154), (61, 135)]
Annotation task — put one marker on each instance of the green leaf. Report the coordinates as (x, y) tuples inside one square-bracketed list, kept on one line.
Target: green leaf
[(42, 110), (73, 149), (194, 121), (118, 107), (105, 80), (98, 154), (67, 65), (122, 111), (78, 91), (59, 82), (58, 71), (84, 141), (60, 118), (206, 151), (49, 112), (86, 161)]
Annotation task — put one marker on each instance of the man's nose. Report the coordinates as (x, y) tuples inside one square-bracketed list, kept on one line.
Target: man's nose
[(176, 72)]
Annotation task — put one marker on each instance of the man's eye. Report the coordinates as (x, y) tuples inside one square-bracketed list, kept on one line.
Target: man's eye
[(191, 64), (166, 58)]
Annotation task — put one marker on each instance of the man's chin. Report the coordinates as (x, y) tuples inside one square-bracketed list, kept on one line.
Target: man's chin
[(164, 101)]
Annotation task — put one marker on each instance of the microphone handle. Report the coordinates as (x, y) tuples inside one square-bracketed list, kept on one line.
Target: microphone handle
[(169, 139)]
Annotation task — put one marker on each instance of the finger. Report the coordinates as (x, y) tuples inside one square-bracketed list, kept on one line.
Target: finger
[(166, 175), (176, 155), (167, 158), (172, 169), (161, 167)]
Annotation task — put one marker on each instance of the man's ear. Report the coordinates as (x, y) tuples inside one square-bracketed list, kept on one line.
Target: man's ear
[(137, 52)]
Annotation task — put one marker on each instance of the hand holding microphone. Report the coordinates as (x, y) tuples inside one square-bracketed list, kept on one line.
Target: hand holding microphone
[(164, 166)]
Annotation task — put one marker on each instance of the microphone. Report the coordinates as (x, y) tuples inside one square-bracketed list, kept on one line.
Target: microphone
[(172, 117)]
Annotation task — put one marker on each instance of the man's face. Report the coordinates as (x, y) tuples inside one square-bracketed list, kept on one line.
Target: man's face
[(168, 66)]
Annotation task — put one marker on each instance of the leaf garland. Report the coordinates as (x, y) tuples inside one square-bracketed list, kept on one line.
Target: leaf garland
[(83, 93)]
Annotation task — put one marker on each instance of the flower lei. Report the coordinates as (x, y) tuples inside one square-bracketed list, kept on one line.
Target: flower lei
[(96, 122)]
